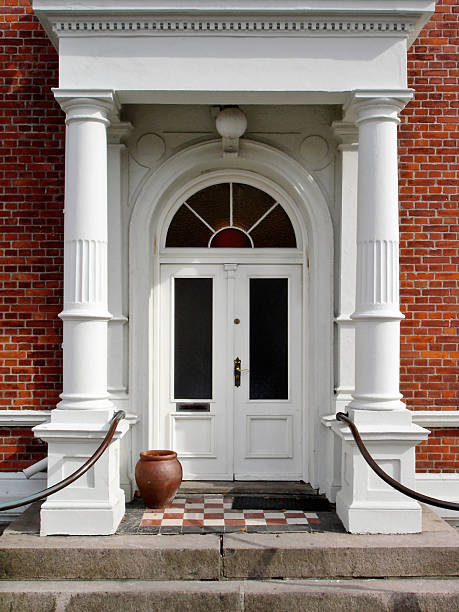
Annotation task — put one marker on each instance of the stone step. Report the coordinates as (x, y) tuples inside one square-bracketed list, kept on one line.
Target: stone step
[(184, 557), (24, 555), (238, 556), (339, 555), (249, 596)]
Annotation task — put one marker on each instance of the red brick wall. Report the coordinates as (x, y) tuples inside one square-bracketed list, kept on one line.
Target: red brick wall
[(31, 198), (18, 448), (429, 224), (31, 224), (440, 453)]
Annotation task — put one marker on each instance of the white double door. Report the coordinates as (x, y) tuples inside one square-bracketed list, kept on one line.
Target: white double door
[(230, 370)]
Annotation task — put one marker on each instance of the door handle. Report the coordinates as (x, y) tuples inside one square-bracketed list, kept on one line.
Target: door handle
[(237, 372)]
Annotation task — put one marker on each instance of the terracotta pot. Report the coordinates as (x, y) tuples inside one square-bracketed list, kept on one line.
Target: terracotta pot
[(158, 474)]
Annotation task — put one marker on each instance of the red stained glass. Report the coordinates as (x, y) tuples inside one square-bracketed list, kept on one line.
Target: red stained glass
[(231, 238)]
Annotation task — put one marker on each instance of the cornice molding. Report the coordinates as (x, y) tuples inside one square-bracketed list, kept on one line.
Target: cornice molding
[(215, 25), (29, 418), (436, 418), (404, 18), (18, 418), (425, 418)]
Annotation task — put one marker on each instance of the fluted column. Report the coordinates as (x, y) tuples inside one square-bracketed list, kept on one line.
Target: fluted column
[(365, 503), (95, 503), (377, 312), (85, 313)]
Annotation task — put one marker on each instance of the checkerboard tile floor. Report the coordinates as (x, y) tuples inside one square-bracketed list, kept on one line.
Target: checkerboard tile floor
[(214, 514)]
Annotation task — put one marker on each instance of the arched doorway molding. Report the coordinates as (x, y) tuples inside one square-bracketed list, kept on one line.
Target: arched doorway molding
[(307, 206)]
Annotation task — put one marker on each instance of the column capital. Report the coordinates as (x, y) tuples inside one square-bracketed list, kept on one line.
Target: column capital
[(348, 133), (118, 132), (88, 105), (380, 105)]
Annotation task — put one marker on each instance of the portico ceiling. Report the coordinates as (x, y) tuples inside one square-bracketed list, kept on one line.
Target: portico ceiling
[(235, 51)]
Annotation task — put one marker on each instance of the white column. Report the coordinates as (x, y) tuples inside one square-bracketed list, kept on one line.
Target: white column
[(377, 313), (365, 503), (95, 503)]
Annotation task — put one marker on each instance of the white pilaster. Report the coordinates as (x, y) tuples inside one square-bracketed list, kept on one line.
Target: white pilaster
[(94, 504), (365, 503), (117, 264), (118, 328), (344, 337), (347, 251)]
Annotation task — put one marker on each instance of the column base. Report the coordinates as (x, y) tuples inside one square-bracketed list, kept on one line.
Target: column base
[(365, 503), (67, 518), (94, 503), (384, 519)]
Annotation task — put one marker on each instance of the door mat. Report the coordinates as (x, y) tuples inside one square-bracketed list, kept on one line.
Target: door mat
[(282, 502), (217, 514)]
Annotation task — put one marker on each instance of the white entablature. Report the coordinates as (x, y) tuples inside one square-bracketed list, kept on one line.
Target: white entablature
[(258, 51)]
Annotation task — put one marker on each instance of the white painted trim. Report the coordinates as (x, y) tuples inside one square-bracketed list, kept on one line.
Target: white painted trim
[(199, 416), (15, 418), (239, 256), (14, 485), (274, 476), (30, 418), (286, 454), (436, 418), (442, 486), (424, 418)]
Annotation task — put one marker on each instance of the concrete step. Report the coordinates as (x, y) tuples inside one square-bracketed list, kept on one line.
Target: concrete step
[(251, 596)]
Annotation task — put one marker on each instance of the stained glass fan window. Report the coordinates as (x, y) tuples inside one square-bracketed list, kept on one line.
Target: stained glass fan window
[(231, 215)]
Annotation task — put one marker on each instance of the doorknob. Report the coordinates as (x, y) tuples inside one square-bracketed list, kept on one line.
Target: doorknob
[(237, 372)]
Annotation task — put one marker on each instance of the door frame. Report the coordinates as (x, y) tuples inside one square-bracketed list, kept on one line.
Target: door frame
[(224, 404), (302, 198)]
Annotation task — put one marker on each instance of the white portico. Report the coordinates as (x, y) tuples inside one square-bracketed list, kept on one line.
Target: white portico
[(285, 234)]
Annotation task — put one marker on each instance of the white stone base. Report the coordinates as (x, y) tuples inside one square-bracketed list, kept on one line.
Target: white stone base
[(371, 519), (365, 503), (65, 519), (94, 503)]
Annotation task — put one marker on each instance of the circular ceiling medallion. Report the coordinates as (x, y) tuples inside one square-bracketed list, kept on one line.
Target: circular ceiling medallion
[(149, 148), (315, 151)]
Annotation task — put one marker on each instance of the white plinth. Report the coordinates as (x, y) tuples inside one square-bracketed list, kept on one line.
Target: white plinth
[(365, 503), (93, 504)]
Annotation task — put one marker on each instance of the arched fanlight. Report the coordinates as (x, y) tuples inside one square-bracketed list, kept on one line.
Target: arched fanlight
[(231, 215)]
